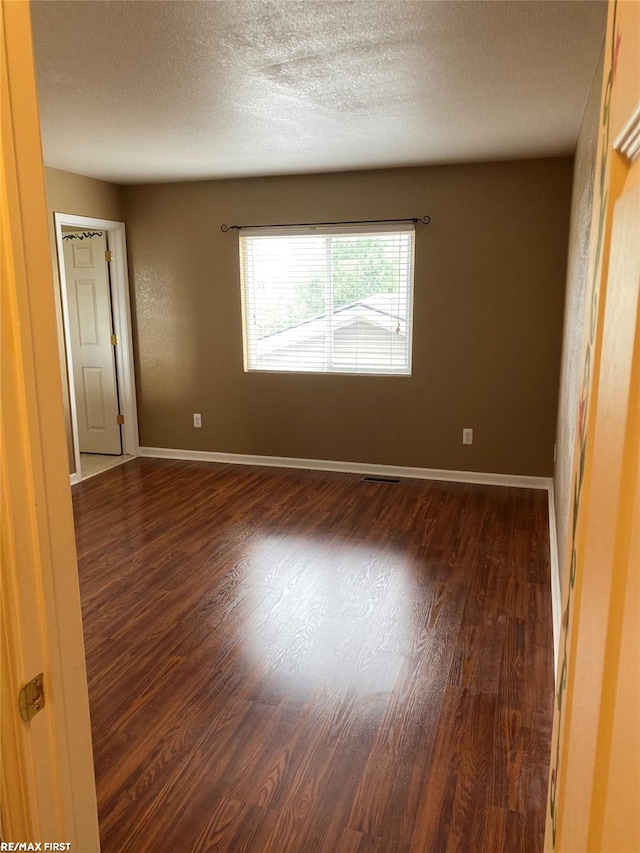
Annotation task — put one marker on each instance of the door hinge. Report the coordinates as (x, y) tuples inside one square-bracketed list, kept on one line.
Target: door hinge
[(120, 419), (31, 698), (114, 340), (108, 256)]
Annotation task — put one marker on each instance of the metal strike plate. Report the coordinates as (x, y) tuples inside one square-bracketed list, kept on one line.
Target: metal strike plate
[(31, 699)]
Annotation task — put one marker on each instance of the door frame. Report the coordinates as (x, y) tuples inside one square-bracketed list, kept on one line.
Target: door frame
[(47, 783), (120, 303)]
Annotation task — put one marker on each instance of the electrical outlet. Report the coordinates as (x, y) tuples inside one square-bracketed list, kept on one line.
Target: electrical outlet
[(467, 436), (197, 419)]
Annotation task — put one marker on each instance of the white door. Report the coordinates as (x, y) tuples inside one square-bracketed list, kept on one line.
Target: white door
[(91, 328)]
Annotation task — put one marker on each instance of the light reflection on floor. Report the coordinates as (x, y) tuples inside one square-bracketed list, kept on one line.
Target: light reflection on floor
[(314, 628)]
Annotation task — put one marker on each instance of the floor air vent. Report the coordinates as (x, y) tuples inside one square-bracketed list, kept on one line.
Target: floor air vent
[(393, 480)]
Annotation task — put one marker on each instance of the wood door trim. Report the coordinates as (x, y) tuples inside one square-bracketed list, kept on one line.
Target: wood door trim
[(52, 763)]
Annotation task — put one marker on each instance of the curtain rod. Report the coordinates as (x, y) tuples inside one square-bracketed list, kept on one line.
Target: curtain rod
[(422, 220)]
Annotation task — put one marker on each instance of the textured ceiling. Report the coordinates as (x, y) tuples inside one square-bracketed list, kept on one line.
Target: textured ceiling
[(158, 91)]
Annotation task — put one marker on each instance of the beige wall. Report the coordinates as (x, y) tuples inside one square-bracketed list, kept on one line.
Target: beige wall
[(70, 193), (577, 275), (75, 194), (489, 294)]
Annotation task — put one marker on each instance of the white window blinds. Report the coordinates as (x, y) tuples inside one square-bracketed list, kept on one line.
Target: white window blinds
[(328, 300)]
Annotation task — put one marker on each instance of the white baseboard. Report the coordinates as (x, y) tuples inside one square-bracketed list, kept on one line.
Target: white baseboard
[(513, 480), (556, 591)]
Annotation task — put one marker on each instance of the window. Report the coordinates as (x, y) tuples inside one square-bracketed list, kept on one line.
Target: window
[(328, 300)]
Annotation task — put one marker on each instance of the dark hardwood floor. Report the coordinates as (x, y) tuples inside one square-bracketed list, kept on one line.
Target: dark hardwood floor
[(284, 661)]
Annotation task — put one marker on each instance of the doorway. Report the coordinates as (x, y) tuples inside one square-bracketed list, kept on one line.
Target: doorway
[(103, 428)]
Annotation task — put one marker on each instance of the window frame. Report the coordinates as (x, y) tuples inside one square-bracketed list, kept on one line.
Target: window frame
[(329, 231)]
